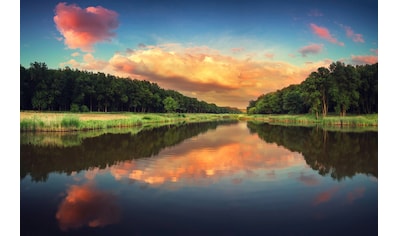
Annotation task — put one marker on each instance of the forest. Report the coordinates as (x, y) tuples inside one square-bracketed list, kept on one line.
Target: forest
[(339, 89), (74, 90)]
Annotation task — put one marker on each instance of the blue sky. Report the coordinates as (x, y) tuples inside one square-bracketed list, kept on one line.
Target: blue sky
[(225, 52)]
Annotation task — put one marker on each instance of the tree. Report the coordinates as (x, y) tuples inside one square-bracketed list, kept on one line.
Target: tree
[(345, 86), (170, 104)]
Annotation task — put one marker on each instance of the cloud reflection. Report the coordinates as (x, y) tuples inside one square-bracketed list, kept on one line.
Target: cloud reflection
[(86, 205), (208, 159)]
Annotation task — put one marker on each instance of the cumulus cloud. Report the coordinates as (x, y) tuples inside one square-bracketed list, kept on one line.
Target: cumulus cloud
[(85, 205), (192, 165), (89, 63), (311, 49), (203, 72), (82, 28), (357, 38), (324, 33)]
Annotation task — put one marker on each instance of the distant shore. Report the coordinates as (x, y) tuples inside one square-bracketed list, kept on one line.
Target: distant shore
[(67, 121)]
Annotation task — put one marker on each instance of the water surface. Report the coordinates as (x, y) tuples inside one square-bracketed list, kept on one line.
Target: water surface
[(224, 178)]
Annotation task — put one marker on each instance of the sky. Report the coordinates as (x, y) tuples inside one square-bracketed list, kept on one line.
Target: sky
[(222, 52)]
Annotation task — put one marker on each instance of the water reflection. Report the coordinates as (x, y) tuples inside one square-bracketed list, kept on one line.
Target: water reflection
[(38, 160), (199, 179), (206, 159), (338, 154), (86, 205)]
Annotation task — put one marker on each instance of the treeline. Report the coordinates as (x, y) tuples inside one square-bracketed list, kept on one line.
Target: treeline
[(338, 89), (65, 89)]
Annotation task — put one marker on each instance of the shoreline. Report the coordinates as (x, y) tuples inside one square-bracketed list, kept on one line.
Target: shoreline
[(34, 121)]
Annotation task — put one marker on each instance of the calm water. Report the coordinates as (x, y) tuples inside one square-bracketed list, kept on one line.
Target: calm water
[(229, 178)]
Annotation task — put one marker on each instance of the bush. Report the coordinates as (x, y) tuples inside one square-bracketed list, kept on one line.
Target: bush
[(84, 108), (74, 107)]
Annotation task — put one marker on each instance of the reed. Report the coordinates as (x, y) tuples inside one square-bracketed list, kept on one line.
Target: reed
[(52, 121)]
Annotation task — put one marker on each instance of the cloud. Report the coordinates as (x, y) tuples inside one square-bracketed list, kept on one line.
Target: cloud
[(357, 38), (325, 196), (269, 55), (324, 33), (210, 159), (237, 50), (82, 28), (364, 59), (89, 63), (85, 205), (309, 180), (213, 77), (356, 194), (310, 49)]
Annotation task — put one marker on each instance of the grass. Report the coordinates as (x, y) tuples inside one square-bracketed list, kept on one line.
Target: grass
[(58, 121)]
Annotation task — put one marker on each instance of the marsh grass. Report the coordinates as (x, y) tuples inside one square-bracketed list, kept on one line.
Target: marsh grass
[(47, 121), (53, 121)]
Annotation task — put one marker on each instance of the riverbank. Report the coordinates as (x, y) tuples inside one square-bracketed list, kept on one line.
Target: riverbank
[(66, 121)]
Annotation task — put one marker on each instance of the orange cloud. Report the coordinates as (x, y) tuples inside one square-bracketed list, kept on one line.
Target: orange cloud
[(311, 49), (209, 159), (82, 28), (202, 72), (85, 205), (211, 76), (324, 33)]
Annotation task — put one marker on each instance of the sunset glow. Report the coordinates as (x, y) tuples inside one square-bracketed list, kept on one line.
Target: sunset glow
[(221, 52)]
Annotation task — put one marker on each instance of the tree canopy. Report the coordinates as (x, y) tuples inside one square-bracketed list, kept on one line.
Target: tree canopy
[(65, 89), (338, 89)]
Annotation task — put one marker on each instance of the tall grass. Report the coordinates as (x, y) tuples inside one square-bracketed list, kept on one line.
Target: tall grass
[(93, 121)]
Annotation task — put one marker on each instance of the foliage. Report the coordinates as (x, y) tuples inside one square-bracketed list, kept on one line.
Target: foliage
[(46, 89), (170, 104), (338, 89)]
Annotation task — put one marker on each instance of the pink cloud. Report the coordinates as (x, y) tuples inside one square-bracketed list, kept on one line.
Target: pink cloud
[(367, 59), (375, 51), (269, 55), (356, 194), (82, 28), (237, 50), (311, 49), (325, 196), (324, 33), (358, 38)]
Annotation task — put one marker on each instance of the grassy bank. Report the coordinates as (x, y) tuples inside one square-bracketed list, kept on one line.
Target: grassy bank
[(328, 121), (53, 121)]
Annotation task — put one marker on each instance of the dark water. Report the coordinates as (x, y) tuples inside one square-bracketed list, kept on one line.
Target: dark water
[(229, 178)]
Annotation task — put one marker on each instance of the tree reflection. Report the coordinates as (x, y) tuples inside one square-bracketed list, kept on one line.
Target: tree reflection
[(105, 150), (339, 154)]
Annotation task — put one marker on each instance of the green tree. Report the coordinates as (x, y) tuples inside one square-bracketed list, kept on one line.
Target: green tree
[(345, 86), (170, 104)]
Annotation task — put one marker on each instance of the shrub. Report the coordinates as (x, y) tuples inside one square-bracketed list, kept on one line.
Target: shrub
[(74, 107), (84, 108)]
